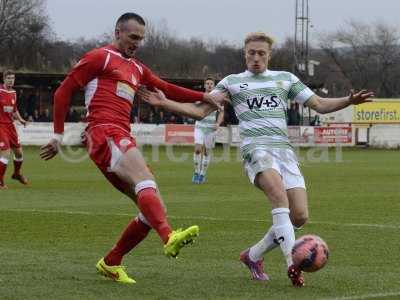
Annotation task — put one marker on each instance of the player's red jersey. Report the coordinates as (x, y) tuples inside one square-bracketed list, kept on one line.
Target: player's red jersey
[(8, 105), (110, 82)]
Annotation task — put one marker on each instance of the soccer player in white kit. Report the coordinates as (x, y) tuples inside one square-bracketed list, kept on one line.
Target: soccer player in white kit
[(259, 97), (204, 138)]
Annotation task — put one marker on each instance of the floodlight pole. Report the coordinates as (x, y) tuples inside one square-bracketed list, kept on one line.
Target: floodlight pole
[(300, 51)]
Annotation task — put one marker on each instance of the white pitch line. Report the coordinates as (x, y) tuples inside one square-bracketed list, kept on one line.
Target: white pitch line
[(202, 218), (367, 296)]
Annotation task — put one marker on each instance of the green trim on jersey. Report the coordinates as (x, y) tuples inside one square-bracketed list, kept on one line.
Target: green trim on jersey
[(233, 79), (253, 115), (260, 103)]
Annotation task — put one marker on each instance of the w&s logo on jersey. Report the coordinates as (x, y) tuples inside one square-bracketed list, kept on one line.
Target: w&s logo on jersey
[(262, 102)]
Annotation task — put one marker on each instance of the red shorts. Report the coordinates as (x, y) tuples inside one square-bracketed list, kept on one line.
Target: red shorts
[(106, 143), (8, 137)]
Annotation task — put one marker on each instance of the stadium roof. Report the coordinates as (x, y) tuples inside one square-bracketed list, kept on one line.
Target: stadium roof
[(52, 80)]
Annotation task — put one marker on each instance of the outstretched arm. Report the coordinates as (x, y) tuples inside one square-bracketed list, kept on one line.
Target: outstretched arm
[(192, 110), (178, 93), (327, 105)]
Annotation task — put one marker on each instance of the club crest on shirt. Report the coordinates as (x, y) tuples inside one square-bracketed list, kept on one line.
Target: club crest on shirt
[(124, 142)]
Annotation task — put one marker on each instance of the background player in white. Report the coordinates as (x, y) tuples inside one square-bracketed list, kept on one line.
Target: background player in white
[(259, 97), (205, 131)]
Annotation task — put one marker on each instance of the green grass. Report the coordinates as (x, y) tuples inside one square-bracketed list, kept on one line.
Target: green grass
[(53, 232)]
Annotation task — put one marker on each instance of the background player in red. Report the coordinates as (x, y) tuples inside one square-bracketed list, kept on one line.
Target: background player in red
[(110, 76), (8, 135)]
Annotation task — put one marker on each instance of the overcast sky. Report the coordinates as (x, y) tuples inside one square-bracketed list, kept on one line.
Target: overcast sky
[(228, 20)]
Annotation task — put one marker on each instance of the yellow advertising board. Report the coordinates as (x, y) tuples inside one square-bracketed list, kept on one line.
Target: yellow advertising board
[(377, 112)]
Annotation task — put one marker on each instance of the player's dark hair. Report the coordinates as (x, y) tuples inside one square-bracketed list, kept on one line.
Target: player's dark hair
[(209, 77), (8, 72), (129, 16)]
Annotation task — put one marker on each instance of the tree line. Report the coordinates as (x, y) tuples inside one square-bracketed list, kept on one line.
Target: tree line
[(359, 56)]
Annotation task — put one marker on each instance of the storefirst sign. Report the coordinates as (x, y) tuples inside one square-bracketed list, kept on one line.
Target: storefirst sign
[(380, 112)]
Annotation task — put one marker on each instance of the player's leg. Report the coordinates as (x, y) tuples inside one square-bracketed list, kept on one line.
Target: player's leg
[(132, 169), (102, 149), (270, 182), (298, 205), (134, 233), (4, 155), (298, 216), (209, 142), (263, 171), (198, 148), (18, 160), (297, 195), (112, 151), (281, 232), (197, 158)]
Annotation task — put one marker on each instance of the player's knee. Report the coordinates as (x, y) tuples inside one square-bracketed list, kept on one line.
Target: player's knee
[(143, 219), (276, 195), (300, 219), (145, 184), (197, 151), (18, 155)]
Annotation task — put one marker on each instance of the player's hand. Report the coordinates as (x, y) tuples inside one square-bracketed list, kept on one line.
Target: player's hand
[(217, 99), (153, 98), (23, 122), (50, 150), (360, 97)]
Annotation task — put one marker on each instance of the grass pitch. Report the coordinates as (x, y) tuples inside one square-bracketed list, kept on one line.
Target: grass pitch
[(53, 232)]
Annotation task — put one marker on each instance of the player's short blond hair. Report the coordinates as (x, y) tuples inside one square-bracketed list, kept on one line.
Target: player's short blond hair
[(258, 37)]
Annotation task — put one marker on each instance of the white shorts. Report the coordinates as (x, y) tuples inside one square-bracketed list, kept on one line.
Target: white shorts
[(284, 161), (204, 137)]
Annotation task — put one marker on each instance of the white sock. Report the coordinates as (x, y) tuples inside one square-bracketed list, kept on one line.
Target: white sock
[(204, 164), (265, 245), (197, 162), (18, 159), (284, 232)]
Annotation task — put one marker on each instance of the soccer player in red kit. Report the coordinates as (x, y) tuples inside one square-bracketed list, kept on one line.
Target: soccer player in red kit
[(8, 135), (110, 76)]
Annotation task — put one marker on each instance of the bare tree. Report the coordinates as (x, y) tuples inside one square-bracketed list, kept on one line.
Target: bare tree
[(367, 56), (15, 15), (23, 26)]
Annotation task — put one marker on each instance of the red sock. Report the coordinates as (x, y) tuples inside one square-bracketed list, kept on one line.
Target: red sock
[(17, 166), (152, 209), (133, 234), (3, 168)]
